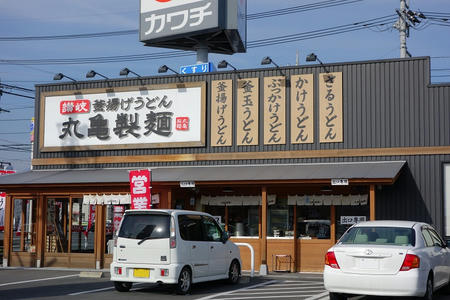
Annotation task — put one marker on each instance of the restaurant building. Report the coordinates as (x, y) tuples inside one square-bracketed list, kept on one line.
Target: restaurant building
[(285, 158)]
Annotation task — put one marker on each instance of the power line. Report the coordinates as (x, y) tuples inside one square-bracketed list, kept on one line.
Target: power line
[(14, 94), (267, 14), (171, 54), (14, 87)]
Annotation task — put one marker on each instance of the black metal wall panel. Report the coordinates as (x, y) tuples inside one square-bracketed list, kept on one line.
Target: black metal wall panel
[(386, 104)]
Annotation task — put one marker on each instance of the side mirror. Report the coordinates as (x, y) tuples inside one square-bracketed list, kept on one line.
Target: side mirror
[(225, 237)]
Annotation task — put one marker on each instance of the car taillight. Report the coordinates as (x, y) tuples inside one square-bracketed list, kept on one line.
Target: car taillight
[(173, 234), (118, 270), (330, 260), (411, 261)]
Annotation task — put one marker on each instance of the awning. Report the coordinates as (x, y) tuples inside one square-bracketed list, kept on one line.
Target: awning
[(377, 171)]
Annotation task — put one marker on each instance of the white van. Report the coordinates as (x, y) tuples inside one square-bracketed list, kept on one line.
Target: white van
[(177, 247)]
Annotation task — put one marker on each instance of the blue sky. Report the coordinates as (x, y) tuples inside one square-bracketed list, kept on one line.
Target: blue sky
[(61, 17)]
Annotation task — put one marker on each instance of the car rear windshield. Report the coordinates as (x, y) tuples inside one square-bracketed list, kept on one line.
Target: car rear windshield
[(145, 226), (398, 236)]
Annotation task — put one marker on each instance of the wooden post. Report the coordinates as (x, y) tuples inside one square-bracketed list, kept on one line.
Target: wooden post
[(333, 224), (99, 244), (372, 202), (226, 218), (294, 267), (263, 268), (7, 244), (169, 198), (40, 230)]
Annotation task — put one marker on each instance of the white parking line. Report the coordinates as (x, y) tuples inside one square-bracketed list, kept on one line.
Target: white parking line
[(37, 280), (99, 290), (319, 296), (242, 289)]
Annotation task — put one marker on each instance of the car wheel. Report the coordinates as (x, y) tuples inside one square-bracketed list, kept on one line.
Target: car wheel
[(122, 286), (429, 292), (184, 282), (234, 272), (336, 296)]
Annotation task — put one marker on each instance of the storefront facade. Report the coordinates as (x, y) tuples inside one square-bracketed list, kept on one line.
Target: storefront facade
[(286, 158)]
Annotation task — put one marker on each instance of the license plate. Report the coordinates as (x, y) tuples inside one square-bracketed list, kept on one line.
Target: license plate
[(142, 273), (367, 263)]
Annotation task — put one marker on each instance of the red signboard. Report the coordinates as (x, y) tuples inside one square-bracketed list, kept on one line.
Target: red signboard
[(74, 107), (5, 172), (140, 182)]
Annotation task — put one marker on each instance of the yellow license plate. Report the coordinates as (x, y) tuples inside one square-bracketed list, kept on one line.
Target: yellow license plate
[(142, 273)]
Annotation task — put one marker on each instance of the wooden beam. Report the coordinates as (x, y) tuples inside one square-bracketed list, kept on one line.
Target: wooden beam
[(372, 202), (294, 154)]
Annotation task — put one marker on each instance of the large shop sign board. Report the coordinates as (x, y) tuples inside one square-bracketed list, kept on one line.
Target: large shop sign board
[(146, 117)]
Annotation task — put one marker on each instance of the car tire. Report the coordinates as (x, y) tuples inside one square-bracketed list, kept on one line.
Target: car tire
[(337, 296), (121, 286), (184, 282), (234, 272), (429, 292)]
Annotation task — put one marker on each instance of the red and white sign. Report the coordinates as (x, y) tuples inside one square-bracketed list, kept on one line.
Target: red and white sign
[(91, 219), (182, 123), (118, 215), (140, 183), (2, 210), (74, 107), (6, 172)]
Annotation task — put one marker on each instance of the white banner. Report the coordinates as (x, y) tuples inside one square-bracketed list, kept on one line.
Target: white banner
[(144, 118), (2, 209)]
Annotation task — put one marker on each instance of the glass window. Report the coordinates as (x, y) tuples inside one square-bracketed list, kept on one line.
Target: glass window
[(427, 238), (344, 212), (212, 230), (218, 212), (83, 227), (437, 241), (145, 226), (379, 236), (24, 226), (190, 227), (114, 215), (313, 222), (243, 220), (280, 219), (57, 225)]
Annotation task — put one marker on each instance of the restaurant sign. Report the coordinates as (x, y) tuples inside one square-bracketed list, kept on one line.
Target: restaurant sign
[(150, 117), (160, 19)]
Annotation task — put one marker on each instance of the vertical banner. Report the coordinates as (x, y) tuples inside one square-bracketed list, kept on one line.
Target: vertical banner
[(275, 110), (302, 109), (2, 210), (330, 108), (140, 184), (91, 219), (221, 113), (119, 210), (247, 112)]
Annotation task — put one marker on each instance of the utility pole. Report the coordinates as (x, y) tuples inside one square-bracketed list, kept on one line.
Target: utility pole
[(406, 19), (402, 26)]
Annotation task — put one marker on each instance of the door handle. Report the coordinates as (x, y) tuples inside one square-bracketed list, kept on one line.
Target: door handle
[(193, 246), (212, 247)]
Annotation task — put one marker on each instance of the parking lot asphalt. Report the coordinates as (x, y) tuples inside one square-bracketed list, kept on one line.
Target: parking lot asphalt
[(44, 283)]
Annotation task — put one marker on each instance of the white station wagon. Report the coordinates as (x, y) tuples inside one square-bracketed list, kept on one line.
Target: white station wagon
[(173, 247), (387, 258)]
